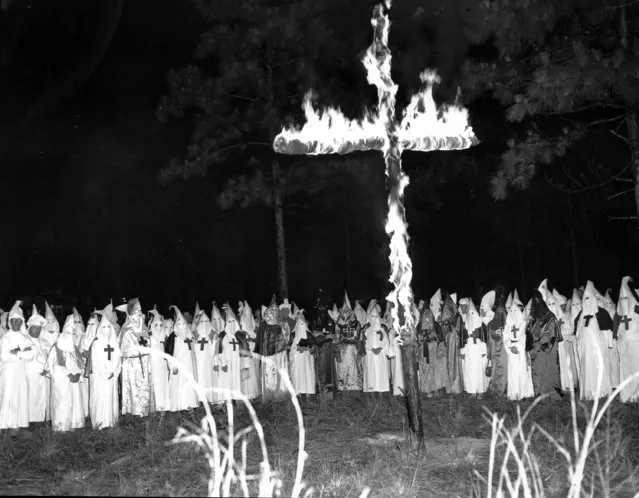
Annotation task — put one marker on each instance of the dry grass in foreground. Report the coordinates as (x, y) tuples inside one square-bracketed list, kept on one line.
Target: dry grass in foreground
[(354, 444)]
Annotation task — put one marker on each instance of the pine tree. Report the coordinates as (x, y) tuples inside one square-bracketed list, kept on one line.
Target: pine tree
[(566, 71), (254, 65)]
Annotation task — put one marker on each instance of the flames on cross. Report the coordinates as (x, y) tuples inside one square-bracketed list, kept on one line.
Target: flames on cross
[(422, 128)]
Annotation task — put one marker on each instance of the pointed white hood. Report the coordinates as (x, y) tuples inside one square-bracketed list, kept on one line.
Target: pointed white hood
[(435, 304)]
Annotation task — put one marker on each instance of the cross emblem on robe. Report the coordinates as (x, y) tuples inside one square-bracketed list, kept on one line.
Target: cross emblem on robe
[(188, 341), (514, 331), (143, 341), (202, 342), (421, 128), (234, 343), (587, 319), (108, 350), (380, 333), (561, 323), (626, 321)]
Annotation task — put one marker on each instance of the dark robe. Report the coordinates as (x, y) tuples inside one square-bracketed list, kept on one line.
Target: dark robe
[(542, 342), (324, 350), (497, 354), (270, 339), (454, 331)]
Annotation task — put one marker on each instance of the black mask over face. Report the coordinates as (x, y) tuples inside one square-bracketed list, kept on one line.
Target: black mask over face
[(538, 307)]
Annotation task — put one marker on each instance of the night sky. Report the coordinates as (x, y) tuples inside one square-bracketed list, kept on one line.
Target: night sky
[(86, 216)]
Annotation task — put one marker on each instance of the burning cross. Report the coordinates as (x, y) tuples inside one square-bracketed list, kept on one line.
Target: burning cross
[(108, 350), (421, 129), (626, 321)]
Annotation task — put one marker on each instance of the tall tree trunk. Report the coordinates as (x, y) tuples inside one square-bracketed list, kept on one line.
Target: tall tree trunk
[(573, 243), (280, 240), (347, 232)]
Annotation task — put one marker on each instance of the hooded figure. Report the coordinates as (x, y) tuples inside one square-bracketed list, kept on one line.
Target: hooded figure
[(66, 367), (348, 339), (271, 342), (627, 332), (520, 384), (159, 368), (286, 319), (453, 329), (79, 330), (182, 394), (542, 338), (493, 314), (39, 384), (566, 348), (301, 361), (395, 357), (432, 351), (474, 353), (325, 348), (360, 313), (137, 399), (203, 352), (51, 331), (251, 378), (376, 374), (16, 351), (592, 347), (227, 362), (102, 371)]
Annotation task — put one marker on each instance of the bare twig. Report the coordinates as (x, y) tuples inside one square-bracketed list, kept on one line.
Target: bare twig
[(622, 217), (620, 193), (619, 136)]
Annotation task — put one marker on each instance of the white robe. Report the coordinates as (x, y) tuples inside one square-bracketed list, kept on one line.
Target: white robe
[(301, 365), (159, 374), (103, 391), (227, 366), (567, 354), (182, 395), (376, 367), (520, 384), (474, 366), (628, 344), (39, 384), (14, 385), (203, 359), (251, 372), (593, 359), (137, 398), (67, 403)]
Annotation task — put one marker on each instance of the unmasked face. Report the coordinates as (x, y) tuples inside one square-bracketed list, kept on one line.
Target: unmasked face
[(464, 308), (15, 324), (285, 313), (35, 330)]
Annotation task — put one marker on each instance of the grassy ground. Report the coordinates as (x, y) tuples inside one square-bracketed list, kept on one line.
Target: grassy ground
[(354, 444)]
